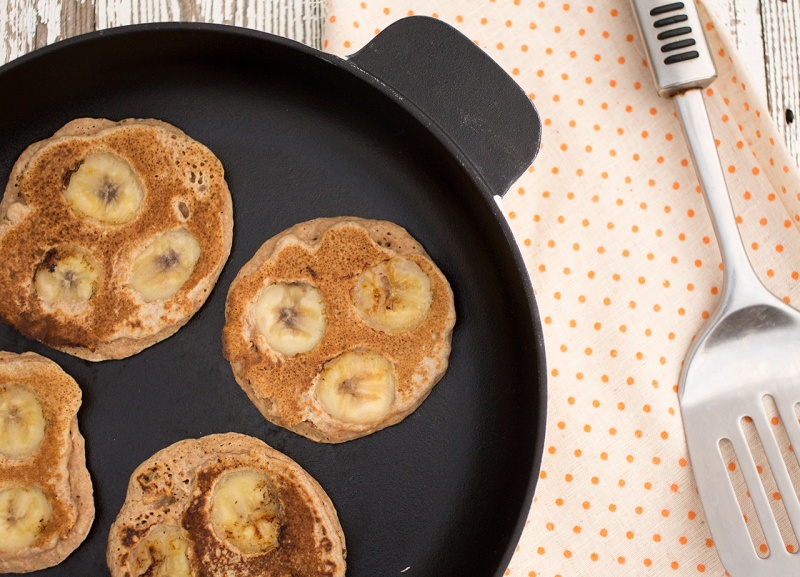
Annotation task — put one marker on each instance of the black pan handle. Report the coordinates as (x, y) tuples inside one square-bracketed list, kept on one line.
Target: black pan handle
[(463, 91)]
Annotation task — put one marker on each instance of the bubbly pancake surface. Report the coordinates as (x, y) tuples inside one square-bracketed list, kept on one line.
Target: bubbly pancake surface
[(175, 491), (331, 254), (56, 466), (183, 190)]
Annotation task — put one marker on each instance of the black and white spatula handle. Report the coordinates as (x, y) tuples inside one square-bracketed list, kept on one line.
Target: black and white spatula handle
[(682, 64), (676, 45)]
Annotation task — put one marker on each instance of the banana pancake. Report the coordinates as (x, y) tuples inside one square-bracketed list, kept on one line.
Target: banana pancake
[(46, 503), (114, 234), (223, 505), (339, 327)]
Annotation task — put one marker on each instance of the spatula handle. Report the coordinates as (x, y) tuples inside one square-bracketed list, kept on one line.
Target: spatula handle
[(702, 146), (682, 65), (677, 49)]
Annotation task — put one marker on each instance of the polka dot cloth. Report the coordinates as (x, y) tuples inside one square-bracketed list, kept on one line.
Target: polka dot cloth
[(624, 263)]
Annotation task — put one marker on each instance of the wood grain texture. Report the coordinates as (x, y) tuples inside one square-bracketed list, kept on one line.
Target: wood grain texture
[(743, 20), (781, 23), (30, 24), (766, 32)]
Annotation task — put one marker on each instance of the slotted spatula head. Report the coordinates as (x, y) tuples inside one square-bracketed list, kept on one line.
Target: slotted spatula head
[(748, 350)]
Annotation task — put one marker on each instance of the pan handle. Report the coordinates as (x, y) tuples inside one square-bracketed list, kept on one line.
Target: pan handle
[(459, 88)]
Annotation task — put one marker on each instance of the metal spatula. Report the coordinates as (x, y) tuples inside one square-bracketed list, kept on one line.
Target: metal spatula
[(750, 347)]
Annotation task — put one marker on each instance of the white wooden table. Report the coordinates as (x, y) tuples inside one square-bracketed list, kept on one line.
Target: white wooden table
[(767, 33)]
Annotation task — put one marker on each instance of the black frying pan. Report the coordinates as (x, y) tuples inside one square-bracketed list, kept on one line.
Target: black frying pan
[(420, 128)]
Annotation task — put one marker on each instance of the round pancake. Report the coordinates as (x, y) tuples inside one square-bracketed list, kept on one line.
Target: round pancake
[(173, 493), (330, 254), (183, 190), (57, 467)]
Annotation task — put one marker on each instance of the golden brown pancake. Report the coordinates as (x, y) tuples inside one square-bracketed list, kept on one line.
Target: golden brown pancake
[(330, 254), (56, 467), (175, 498), (183, 189)]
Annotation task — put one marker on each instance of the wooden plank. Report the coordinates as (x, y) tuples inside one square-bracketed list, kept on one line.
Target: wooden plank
[(781, 23), (297, 19), (743, 21), (29, 24), (77, 17)]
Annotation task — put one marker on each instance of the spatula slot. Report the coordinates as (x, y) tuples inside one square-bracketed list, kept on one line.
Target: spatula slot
[(784, 440), (743, 498), (768, 447)]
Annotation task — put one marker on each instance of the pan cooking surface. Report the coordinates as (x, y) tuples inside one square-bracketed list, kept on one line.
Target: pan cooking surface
[(446, 491)]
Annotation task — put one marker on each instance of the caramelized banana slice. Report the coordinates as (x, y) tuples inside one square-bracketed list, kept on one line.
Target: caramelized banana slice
[(24, 511), (162, 268), (104, 188), (66, 278), (161, 554), (357, 387), (245, 511), (22, 422), (393, 296), (291, 316)]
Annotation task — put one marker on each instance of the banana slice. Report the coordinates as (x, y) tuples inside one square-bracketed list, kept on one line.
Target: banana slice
[(22, 422), (161, 269), (161, 554), (104, 188), (66, 277), (393, 296), (24, 511), (357, 387), (245, 511), (291, 316)]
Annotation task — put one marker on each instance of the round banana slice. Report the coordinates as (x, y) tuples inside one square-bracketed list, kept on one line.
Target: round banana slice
[(163, 553), (393, 296), (22, 422), (245, 511), (66, 277), (160, 270), (104, 188), (357, 387), (291, 317), (24, 512)]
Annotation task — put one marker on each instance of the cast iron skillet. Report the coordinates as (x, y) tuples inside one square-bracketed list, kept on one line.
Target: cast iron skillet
[(420, 128)]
